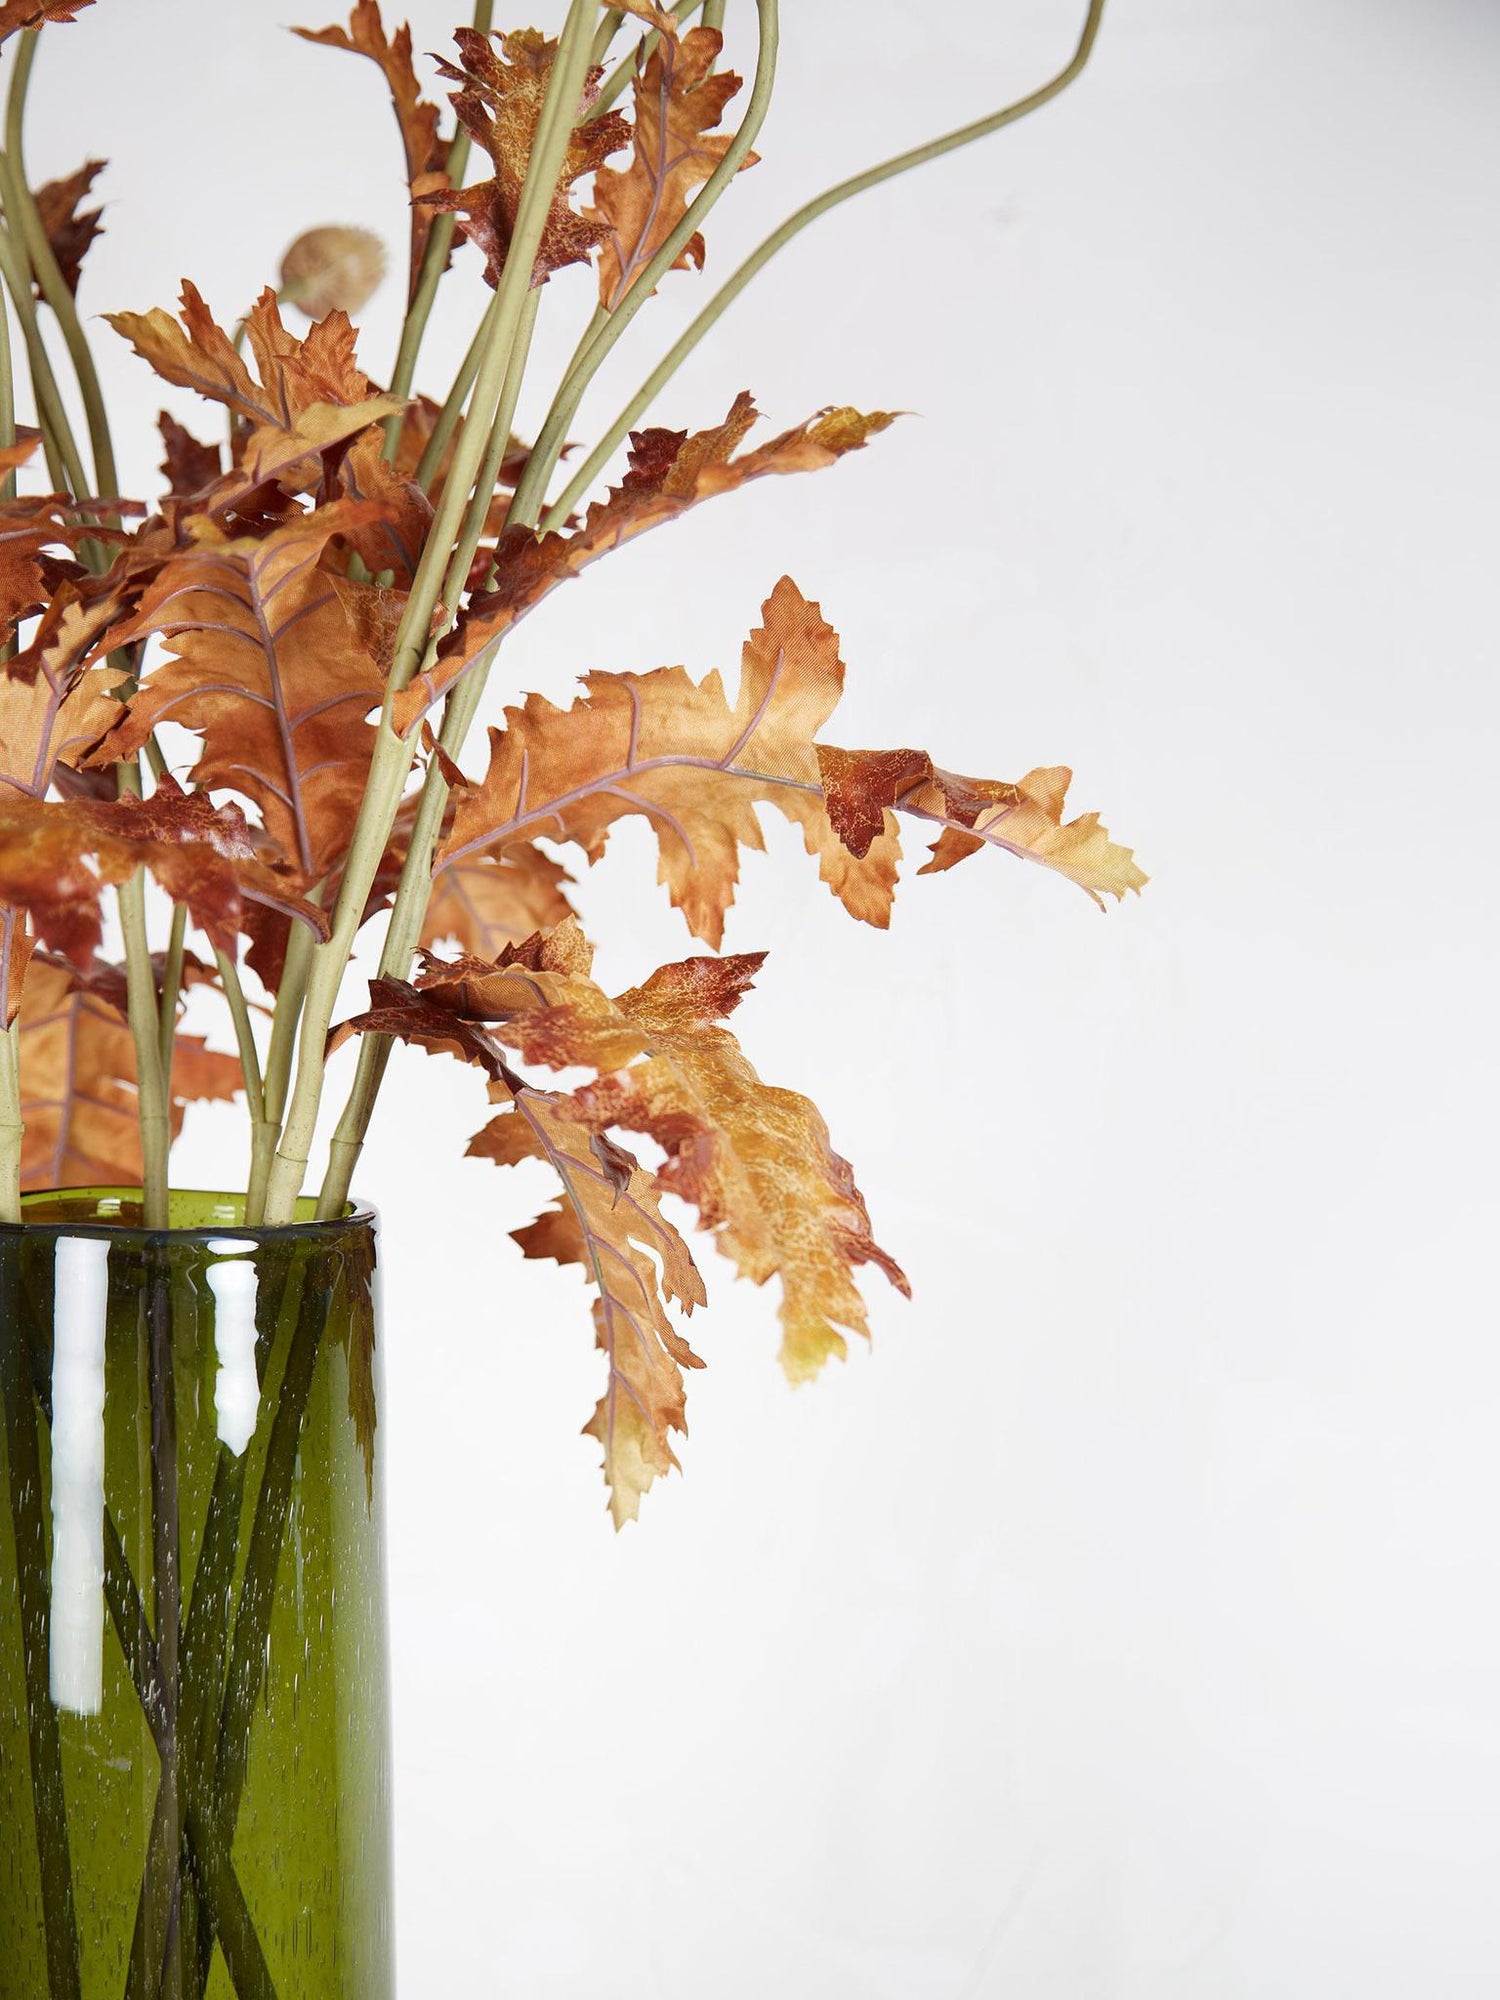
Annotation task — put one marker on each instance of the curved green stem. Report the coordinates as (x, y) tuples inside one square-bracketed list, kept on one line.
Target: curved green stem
[(810, 211), (53, 285), (548, 446), (391, 761), (64, 463)]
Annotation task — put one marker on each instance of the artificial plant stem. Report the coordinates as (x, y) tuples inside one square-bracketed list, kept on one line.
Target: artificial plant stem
[(549, 442), (415, 887), (725, 297), (452, 410), (429, 276), (244, 1034), (152, 1112), (140, 990), (24, 1484), (401, 939), (171, 988), (12, 1125), (63, 461), (49, 276), (280, 1055), (391, 761), (614, 86)]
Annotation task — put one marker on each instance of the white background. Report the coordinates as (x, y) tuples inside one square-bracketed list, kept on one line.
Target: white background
[(1122, 1627)]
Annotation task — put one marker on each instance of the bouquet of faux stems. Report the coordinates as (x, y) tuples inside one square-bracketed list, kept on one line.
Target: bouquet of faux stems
[(320, 604)]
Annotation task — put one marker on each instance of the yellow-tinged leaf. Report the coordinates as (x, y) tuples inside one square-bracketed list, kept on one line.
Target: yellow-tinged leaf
[(754, 1160), (607, 1221), (862, 787)]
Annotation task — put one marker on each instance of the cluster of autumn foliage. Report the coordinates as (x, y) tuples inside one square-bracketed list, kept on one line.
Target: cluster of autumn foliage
[(279, 600)]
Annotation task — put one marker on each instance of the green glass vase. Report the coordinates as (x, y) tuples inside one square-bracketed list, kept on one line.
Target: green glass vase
[(194, 1781)]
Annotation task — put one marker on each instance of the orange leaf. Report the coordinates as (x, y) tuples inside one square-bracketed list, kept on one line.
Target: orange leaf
[(755, 1161), (500, 101), (607, 1221), (78, 1090), (691, 764), (18, 14), (267, 666), (69, 229), (1024, 819), (426, 152), (495, 897), (57, 858), (310, 394), (678, 100), (668, 472)]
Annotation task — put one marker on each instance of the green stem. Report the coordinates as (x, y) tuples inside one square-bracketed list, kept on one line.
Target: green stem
[(64, 464), (244, 1034), (393, 753), (166, 1581), (152, 1113), (430, 275), (902, 163), (452, 410), (609, 27), (278, 1074), (12, 1124), (24, 1483), (224, 1909), (252, 1620), (415, 887), (713, 14), (642, 284), (49, 276), (171, 989)]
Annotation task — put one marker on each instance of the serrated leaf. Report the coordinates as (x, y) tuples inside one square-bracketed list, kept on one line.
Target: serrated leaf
[(78, 1090), (608, 1222), (679, 99), (499, 100), (426, 151)]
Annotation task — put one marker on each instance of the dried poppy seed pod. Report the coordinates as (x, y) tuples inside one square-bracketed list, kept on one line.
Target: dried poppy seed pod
[(334, 266)]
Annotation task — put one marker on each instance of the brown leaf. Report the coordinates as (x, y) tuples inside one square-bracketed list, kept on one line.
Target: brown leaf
[(495, 897), (56, 859), (500, 101), (310, 395), (18, 14), (607, 1221), (78, 1090), (189, 466), (426, 152), (267, 667), (397, 1008), (69, 229), (1025, 819), (754, 1161), (389, 539), (690, 763), (678, 101), (668, 472)]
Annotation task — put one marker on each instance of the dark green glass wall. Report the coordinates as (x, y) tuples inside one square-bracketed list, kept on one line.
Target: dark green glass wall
[(221, 1825)]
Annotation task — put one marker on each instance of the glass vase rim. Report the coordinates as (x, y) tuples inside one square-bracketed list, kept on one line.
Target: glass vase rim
[(115, 1213)]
